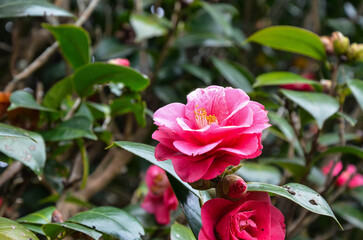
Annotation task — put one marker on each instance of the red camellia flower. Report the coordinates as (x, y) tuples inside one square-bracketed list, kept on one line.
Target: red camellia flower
[(252, 218), (216, 128), (120, 61), (160, 199), (356, 180)]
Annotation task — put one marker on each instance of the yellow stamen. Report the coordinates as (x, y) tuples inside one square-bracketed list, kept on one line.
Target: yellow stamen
[(203, 119)]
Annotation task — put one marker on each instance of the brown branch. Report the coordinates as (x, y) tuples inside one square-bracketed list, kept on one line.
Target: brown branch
[(44, 57), (10, 172)]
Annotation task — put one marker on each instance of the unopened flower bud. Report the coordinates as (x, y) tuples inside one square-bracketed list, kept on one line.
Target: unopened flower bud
[(355, 52), (57, 217), (340, 43), (232, 187), (326, 84), (328, 44), (120, 62)]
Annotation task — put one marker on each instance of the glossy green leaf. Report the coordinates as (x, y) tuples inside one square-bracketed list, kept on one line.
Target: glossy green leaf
[(130, 103), (218, 18), (352, 150), (29, 151), (280, 78), (319, 105), (74, 43), (24, 99), (110, 47), (202, 40), (33, 8), (189, 203), (356, 86), (100, 73), (295, 166), (286, 129), (40, 217), (257, 172), (147, 26), (35, 228), (235, 77), (349, 213), (58, 92), (54, 230), (298, 193), (76, 127), (291, 39), (346, 117), (11, 230), (99, 111), (10, 131), (110, 220), (147, 152), (181, 232), (198, 72), (357, 193), (333, 138)]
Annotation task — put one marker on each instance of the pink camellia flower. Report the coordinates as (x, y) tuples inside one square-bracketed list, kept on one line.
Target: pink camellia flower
[(120, 61), (218, 127), (160, 199), (356, 181), (252, 218)]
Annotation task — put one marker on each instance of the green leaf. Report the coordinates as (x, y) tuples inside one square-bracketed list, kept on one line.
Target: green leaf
[(74, 43), (202, 40), (257, 172), (147, 26), (286, 129), (198, 72), (130, 103), (352, 150), (295, 166), (333, 138), (235, 77), (40, 217), (319, 105), (110, 47), (100, 73), (76, 127), (147, 152), (35, 228), (99, 111), (54, 230), (291, 39), (33, 8), (10, 131), (356, 86), (29, 151), (280, 78), (25, 100), (349, 213), (55, 95), (11, 230), (110, 220), (347, 118), (357, 193), (218, 18), (189, 203), (181, 232), (298, 193)]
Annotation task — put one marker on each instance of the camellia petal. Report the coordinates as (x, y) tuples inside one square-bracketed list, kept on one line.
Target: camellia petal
[(217, 127)]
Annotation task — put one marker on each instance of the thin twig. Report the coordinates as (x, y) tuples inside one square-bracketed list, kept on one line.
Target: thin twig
[(44, 57), (10, 172)]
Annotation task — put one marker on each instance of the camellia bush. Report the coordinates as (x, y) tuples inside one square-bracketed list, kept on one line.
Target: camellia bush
[(207, 120)]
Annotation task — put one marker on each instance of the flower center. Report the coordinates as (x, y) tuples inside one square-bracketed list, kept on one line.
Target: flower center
[(159, 184), (203, 119)]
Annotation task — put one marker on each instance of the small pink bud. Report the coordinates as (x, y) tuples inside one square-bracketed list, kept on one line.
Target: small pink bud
[(328, 44), (232, 187), (120, 62)]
